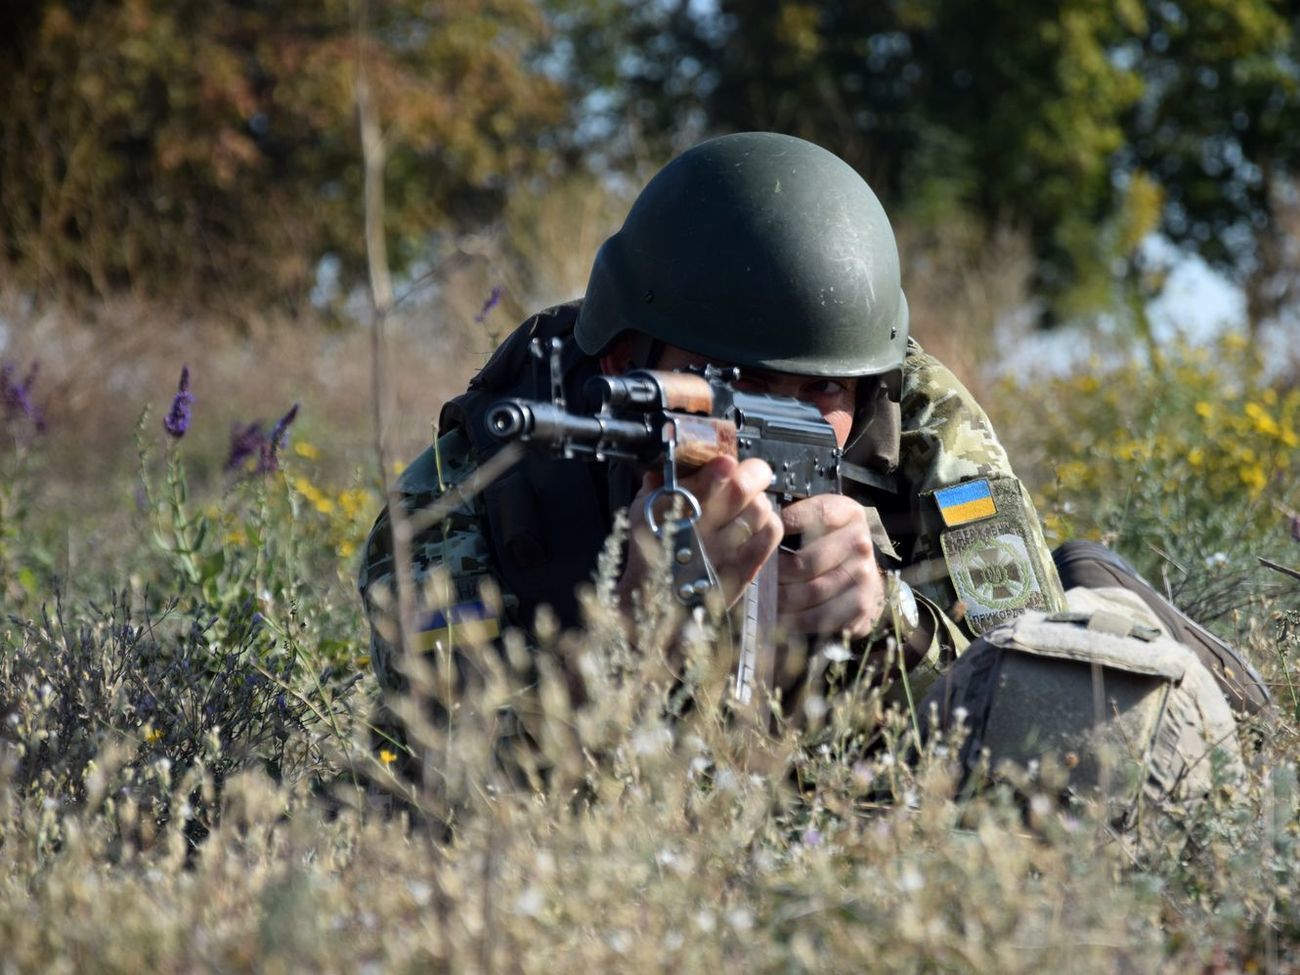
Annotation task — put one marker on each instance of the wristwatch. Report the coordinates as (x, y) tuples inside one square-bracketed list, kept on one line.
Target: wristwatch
[(901, 616)]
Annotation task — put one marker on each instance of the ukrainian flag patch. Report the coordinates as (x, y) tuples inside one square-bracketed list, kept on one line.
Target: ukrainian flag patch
[(963, 503), (469, 622)]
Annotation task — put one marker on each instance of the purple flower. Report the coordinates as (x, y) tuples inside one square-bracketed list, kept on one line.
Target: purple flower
[(245, 442), (269, 461), (177, 420), (16, 396), (493, 300), (249, 441), (281, 428)]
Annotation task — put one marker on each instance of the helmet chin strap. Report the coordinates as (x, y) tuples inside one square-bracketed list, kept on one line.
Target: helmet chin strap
[(877, 423)]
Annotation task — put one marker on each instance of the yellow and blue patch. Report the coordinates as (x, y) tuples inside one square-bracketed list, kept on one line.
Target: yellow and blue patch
[(963, 503), (463, 623)]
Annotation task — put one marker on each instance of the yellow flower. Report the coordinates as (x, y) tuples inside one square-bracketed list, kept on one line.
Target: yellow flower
[(1196, 457), (1253, 477), (1264, 423), (1204, 410), (353, 502), (387, 757), (323, 504), (308, 450), (346, 549), (153, 735)]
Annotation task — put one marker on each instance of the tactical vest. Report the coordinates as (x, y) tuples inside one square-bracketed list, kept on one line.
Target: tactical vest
[(547, 518)]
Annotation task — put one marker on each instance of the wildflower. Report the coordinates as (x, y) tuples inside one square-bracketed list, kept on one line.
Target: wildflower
[(268, 460), (177, 420), (387, 757), (249, 441), (245, 442), (306, 450), (1203, 409), (16, 396), (281, 428), (1253, 476), (1264, 423), (493, 300), (837, 653), (910, 879), (153, 736), (531, 902)]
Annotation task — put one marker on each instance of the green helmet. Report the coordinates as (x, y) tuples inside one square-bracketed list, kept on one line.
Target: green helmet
[(760, 250)]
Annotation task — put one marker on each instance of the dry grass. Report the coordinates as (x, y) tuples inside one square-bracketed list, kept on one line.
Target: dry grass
[(247, 819)]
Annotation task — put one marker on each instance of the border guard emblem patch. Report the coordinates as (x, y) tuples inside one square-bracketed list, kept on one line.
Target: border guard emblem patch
[(994, 564)]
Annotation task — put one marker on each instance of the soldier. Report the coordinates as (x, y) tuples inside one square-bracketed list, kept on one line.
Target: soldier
[(767, 253)]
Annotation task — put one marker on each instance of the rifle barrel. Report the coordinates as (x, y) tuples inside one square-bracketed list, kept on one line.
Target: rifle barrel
[(534, 420)]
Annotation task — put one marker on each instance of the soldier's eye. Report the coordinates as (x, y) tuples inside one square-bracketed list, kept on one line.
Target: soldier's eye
[(825, 387)]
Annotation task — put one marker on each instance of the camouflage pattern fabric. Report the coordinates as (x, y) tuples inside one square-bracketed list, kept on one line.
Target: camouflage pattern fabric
[(1102, 692), (453, 551), (946, 440)]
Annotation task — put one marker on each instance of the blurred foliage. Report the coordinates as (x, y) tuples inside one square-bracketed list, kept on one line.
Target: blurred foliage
[(190, 149), (186, 148), (1088, 124), (1184, 460)]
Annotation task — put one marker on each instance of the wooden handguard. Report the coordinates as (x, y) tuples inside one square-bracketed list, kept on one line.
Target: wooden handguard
[(699, 438), (684, 392)]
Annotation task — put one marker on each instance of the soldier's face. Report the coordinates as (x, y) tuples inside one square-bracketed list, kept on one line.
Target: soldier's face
[(835, 398)]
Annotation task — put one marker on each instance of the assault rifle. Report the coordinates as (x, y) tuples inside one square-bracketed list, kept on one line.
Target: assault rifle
[(683, 420)]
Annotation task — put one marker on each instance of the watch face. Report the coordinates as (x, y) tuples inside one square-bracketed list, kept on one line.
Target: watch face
[(907, 605)]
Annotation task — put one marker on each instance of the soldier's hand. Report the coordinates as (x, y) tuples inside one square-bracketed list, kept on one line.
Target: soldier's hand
[(737, 526), (832, 584)]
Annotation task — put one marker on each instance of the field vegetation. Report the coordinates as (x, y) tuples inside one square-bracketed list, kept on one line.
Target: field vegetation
[(191, 776), (201, 413)]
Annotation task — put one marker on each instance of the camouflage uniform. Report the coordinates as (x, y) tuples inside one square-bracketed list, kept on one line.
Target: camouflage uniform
[(978, 566), (945, 439)]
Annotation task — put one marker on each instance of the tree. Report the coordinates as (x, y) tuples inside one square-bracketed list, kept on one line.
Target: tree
[(195, 146), (1089, 124)]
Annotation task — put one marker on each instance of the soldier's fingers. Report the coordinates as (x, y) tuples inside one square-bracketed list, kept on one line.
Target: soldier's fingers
[(821, 555), (727, 491), (853, 612), (739, 559), (820, 514), (852, 574)]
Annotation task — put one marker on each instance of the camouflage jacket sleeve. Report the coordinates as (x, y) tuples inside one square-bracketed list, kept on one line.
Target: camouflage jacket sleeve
[(975, 556), (449, 557)]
